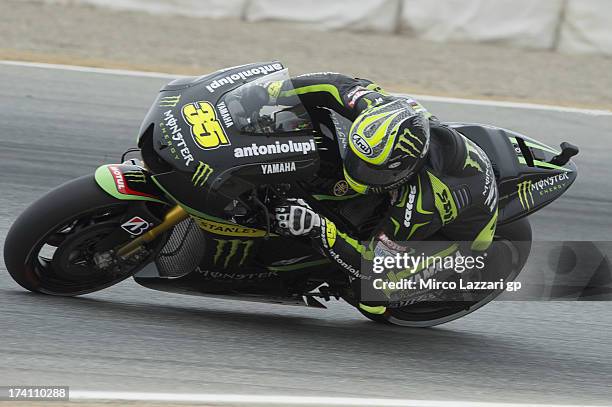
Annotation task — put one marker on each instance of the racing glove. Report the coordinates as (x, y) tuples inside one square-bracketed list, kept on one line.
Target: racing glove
[(294, 217)]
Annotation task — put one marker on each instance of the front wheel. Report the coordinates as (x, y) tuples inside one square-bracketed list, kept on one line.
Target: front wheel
[(513, 245), (61, 244)]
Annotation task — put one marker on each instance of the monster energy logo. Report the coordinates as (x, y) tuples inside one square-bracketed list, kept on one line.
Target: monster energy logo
[(234, 247), (469, 161), (404, 144), (169, 101), (201, 174), (525, 195), (135, 176)]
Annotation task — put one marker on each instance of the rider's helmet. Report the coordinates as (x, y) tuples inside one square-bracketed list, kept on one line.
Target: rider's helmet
[(388, 144)]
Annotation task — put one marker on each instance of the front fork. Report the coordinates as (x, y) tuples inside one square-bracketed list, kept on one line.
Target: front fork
[(172, 218)]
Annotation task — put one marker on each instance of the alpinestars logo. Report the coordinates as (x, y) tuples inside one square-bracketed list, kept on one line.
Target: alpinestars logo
[(243, 76), (201, 174), (525, 195), (135, 226)]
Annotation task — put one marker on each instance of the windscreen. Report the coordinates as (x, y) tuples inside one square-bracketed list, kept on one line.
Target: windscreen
[(268, 105)]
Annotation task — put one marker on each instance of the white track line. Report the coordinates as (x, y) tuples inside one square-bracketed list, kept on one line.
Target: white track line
[(513, 105), (88, 69), (427, 98), (282, 400)]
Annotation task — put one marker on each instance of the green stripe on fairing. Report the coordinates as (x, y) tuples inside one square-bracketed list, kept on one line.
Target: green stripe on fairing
[(105, 180), (544, 165), (536, 145), (541, 147), (299, 266)]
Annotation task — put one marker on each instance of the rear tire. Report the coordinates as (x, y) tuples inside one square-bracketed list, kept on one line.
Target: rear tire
[(41, 251), (516, 238)]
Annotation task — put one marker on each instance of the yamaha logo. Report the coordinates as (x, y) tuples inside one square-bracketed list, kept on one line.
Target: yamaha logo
[(361, 145), (341, 188)]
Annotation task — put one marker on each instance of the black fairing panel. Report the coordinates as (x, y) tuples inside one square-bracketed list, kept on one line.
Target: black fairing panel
[(202, 176), (526, 179)]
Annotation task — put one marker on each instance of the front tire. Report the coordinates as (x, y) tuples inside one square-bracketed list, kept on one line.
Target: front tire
[(49, 248)]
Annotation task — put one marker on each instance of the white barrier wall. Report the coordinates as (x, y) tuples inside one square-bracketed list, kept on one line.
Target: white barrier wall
[(369, 15), (195, 8), (525, 23), (587, 27)]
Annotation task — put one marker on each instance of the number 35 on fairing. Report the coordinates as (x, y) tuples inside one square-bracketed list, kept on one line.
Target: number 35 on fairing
[(205, 128)]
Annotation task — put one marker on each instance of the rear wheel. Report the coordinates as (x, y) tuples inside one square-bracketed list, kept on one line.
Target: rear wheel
[(513, 245), (55, 245)]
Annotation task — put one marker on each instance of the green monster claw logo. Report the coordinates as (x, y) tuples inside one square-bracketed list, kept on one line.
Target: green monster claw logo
[(469, 161), (135, 176), (201, 174), (525, 195), (403, 144), (169, 101), (234, 248)]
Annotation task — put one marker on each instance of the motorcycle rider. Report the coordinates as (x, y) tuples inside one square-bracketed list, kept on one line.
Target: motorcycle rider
[(440, 184)]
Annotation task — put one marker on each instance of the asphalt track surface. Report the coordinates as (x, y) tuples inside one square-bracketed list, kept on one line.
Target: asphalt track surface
[(56, 125)]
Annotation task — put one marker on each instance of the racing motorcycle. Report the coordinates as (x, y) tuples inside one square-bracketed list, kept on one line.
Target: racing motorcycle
[(191, 215)]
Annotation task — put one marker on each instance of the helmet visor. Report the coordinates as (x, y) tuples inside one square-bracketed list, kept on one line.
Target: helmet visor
[(375, 176)]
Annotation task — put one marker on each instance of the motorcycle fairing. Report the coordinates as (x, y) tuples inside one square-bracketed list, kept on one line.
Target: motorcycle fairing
[(128, 183), (207, 222), (226, 79), (195, 147), (526, 179), (134, 183)]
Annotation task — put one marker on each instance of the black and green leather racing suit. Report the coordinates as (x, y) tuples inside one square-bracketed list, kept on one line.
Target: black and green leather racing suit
[(453, 197)]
